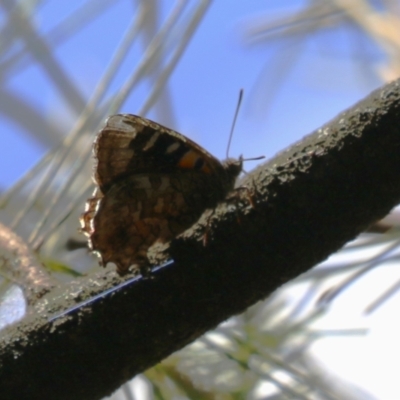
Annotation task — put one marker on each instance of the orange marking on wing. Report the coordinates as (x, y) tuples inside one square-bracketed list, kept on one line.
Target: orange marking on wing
[(189, 160), (205, 168)]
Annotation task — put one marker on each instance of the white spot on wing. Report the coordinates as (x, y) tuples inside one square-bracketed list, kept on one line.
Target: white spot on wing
[(151, 142), (119, 123), (175, 146)]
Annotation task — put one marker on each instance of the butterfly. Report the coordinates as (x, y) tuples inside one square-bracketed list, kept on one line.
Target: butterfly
[(152, 183)]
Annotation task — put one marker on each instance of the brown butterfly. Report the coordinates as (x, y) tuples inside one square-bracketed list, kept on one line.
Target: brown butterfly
[(152, 184)]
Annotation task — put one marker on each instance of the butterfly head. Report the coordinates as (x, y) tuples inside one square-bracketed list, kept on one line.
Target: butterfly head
[(233, 167)]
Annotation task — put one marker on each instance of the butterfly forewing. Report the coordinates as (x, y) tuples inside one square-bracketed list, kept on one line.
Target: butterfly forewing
[(129, 145)]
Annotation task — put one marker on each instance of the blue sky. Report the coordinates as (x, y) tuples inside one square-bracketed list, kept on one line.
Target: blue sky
[(277, 109)]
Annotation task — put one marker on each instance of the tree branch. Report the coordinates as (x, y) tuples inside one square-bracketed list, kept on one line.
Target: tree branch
[(19, 265), (299, 208)]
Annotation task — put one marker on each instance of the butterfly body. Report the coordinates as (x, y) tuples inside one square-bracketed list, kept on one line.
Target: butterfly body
[(152, 184)]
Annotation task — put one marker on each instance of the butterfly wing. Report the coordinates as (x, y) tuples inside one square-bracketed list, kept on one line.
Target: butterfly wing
[(129, 145), (140, 211), (153, 184)]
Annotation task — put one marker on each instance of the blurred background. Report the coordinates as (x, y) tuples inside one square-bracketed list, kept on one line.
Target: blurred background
[(66, 66)]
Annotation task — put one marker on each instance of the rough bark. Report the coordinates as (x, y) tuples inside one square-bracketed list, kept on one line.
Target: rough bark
[(298, 209)]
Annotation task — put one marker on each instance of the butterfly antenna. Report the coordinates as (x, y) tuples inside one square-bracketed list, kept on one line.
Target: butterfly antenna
[(234, 121)]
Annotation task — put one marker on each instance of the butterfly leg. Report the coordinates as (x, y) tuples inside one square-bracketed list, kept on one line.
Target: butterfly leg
[(235, 196), (206, 234), (250, 195)]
